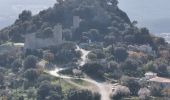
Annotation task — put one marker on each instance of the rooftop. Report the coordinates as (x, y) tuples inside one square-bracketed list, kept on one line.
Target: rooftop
[(151, 73), (160, 80)]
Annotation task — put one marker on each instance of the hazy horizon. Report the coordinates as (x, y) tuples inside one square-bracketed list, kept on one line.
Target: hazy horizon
[(151, 14), (11, 8), (154, 14)]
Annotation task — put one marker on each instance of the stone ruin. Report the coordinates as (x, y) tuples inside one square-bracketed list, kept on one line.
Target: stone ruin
[(76, 21), (33, 42)]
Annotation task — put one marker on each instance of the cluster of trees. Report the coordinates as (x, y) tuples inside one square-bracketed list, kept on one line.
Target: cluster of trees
[(74, 94), (47, 91), (38, 85), (65, 53), (94, 69)]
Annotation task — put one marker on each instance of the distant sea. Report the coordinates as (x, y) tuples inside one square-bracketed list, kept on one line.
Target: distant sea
[(10, 9), (153, 14), (166, 36)]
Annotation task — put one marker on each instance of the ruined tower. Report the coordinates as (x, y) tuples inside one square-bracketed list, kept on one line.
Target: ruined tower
[(76, 21), (33, 42), (58, 33)]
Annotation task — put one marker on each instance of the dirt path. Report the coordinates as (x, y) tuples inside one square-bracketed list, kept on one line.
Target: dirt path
[(105, 89), (83, 59)]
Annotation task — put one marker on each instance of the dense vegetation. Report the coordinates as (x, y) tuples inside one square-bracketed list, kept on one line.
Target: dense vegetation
[(110, 32)]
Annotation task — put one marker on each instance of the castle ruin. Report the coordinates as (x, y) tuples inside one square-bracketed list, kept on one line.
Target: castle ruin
[(76, 21), (34, 42)]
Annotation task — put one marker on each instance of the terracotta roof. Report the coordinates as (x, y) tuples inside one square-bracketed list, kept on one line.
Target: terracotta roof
[(160, 80)]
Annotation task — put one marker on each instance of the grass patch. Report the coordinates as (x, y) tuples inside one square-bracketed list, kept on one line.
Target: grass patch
[(81, 82), (68, 72), (64, 84), (132, 98), (151, 98)]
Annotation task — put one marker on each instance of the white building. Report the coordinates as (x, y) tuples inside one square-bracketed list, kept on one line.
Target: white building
[(150, 75)]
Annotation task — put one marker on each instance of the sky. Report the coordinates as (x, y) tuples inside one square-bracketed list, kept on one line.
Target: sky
[(10, 9), (154, 14)]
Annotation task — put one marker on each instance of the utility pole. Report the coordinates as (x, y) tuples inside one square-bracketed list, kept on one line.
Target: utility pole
[(60, 88)]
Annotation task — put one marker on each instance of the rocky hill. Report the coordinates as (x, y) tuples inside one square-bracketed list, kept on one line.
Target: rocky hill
[(104, 16), (103, 45), (94, 14)]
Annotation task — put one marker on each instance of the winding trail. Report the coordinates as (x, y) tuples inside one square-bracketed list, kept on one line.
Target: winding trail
[(83, 57), (104, 88)]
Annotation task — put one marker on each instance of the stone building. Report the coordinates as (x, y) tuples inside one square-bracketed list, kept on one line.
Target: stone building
[(76, 21), (33, 42)]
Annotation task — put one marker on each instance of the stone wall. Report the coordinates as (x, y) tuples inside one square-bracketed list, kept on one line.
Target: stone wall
[(32, 42), (76, 21)]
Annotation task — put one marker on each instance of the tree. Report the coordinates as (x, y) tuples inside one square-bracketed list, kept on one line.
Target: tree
[(143, 37), (99, 53), (48, 56), (65, 52), (129, 38), (67, 34), (112, 66), (31, 74), (92, 56), (156, 90), (82, 94), (160, 41), (132, 83), (16, 65), (1, 79), (31, 93), (25, 15), (150, 66), (93, 69), (30, 62), (109, 40), (130, 66), (120, 92), (47, 91), (144, 94), (94, 35), (43, 90), (45, 33), (162, 70), (120, 54), (60, 1)]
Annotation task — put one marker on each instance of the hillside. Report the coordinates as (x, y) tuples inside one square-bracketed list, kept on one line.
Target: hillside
[(86, 49), (105, 16)]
